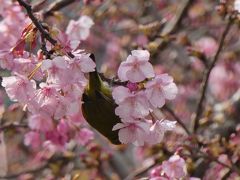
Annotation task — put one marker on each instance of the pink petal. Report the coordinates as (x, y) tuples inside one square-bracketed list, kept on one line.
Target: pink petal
[(147, 70), (170, 91), (120, 93), (126, 136), (46, 64), (122, 71), (118, 126), (142, 55), (135, 75), (60, 62)]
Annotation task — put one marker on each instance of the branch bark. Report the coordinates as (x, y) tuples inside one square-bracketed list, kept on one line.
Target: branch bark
[(206, 77), (57, 5)]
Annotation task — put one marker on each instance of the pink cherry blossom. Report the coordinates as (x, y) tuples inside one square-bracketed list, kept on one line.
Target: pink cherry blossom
[(133, 105), (44, 100), (32, 139), (41, 122), (158, 129), (54, 68), (224, 81), (56, 138), (19, 88), (11, 24), (82, 62), (6, 59), (63, 127), (237, 5), (120, 93), (157, 174), (175, 167), (132, 132), (84, 136), (67, 44), (160, 88), (132, 86), (207, 45), (80, 29), (136, 68), (25, 65)]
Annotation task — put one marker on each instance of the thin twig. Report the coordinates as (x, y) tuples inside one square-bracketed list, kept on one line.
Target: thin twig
[(207, 75), (36, 22), (171, 112), (57, 5), (40, 168), (231, 167), (10, 126), (171, 26), (39, 25), (176, 20)]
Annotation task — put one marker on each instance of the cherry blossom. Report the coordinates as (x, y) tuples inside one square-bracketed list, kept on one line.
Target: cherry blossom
[(135, 106), (237, 5), (80, 29), (158, 129), (159, 89), (132, 132), (207, 45), (41, 122), (66, 44), (175, 167), (82, 62), (32, 139), (19, 88), (83, 136), (136, 68), (54, 68)]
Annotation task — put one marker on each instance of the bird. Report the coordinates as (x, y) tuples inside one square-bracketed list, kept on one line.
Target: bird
[(98, 106)]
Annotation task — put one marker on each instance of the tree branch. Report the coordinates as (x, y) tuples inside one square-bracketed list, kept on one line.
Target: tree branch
[(206, 77), (9, 126), (36, 22), (170, 27), (39, 25), (57, 5), (171, 112), (174, 22), (40, 168)]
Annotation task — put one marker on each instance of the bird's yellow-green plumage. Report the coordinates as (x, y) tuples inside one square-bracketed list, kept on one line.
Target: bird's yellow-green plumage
[(99, 107)]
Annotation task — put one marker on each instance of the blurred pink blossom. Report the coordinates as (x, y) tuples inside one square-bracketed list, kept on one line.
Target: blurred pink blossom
[(84, 136), (80, 29), (207, 45)]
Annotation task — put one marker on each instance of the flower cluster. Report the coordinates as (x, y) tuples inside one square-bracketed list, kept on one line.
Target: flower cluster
[(144, 94), (51, 90), (173, 168), (10, 26)]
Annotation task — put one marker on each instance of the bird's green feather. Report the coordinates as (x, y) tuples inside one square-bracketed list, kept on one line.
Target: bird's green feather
[(99, 107)]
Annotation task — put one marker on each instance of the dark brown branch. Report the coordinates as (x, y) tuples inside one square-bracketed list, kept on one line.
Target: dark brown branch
[(39, 25), (36, 22), (206, 77), (10, 126), (171, 112)]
